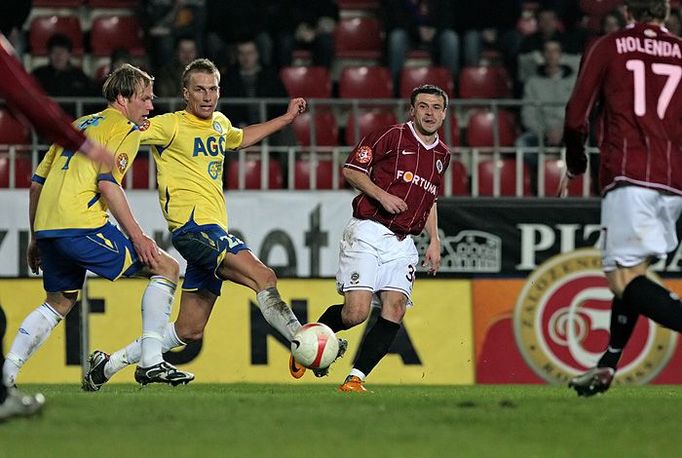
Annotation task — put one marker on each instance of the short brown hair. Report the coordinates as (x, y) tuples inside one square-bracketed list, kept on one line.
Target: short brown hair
[(125, 81), (648, 10), (199, 66), (428, 89)]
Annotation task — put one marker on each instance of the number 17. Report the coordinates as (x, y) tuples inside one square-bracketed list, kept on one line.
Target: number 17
[(673, 72)]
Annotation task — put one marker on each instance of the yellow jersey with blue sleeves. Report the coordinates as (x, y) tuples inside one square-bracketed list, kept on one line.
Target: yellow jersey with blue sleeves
[(189, 154), (70, 202)]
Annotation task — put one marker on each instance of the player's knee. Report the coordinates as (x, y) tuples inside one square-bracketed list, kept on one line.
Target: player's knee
[(394, 312), (190, 334), (62, 303), (265, 278), (169, 267), (353, 315)]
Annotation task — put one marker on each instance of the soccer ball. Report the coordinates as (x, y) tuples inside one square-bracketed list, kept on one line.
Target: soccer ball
[(315, 346)]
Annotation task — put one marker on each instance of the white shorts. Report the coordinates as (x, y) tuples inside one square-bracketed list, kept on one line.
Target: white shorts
[(372, 258), (638, 224)]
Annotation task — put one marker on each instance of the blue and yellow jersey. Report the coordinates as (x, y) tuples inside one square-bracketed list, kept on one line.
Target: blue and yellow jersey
[(189, 154), (70, 202)]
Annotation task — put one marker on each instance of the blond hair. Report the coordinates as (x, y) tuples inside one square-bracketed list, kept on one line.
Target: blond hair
[(125, 81)]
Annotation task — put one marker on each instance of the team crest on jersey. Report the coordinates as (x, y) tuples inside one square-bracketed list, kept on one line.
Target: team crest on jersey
[(354, 278), (215, 169), (364, 154), (144, 126), (562, 318), (122, 162), (439, 166), (218, 128)]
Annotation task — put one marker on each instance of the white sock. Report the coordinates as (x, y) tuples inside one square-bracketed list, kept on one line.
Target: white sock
[(357, 373), (35, 330), (277, 313), (132, 353), (157, 303)]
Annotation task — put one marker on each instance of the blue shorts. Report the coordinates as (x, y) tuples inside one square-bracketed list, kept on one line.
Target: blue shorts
[(105, 251), (204, 247)]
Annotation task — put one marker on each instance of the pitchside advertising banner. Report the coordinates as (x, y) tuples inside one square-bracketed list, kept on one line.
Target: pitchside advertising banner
[(434, 346), (521, 296)]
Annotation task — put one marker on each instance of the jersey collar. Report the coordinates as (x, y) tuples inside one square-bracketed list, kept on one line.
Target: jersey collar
[(410, 124)]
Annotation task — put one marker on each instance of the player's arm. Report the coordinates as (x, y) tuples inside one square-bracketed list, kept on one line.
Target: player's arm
[(108, 183), (432, 255), (257, 132), (586, 90), (361, 181), (24, 95)]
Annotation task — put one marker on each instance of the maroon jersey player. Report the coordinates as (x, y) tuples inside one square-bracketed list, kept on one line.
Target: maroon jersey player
[(635, 75), (398, 171)]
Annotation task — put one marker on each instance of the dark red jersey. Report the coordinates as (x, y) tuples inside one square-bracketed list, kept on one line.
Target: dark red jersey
[(24, 95), (635, 73), (398, 162)]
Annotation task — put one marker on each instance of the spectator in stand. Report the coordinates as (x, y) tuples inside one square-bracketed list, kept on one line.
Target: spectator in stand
[(249, 78), (118, 57), (550, 88), (488, 24), (425, 24), (13, 14), (674, 23), (548, 29), (60, 78), (612, 21), (166, 20), (302, 24), (232, 21), (169, 82)]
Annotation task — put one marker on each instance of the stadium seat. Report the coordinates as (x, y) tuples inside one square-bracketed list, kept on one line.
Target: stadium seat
[(358, 38), (411, 77), (367, 122), (308, 82), (507, 171), (358, 4), (12, 132), (140, 172), (57, 3), (111, 32), (326, 129), (23, 169), (43, 27), (454, 130), (365, 83), (252, 171), (554, 170), (325, 171), (113, 3), (459, 180), (484, 82), (480, 129)]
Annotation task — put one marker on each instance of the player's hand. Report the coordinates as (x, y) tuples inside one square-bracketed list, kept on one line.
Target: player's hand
[(35, 262), (392, 204), (296, 107), (147, 250), (432, 257), (562, 190)]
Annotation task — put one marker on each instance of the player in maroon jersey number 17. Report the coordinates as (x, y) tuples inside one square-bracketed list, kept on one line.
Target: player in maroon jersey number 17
[(635, 73), (398, 171)]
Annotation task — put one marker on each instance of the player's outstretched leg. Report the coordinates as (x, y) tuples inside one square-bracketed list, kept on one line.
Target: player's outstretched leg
[(18, 404), (94, 378)]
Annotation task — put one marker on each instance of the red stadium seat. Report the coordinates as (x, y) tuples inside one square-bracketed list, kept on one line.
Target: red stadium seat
[(140, 172), (484, 83), (359, 38), (111, 32), (480, 128), (326, 129), (411, 77), (57, 3), (365, 83), (325, 171), (454, 131), (367, 122), (460, 179), (113, 3), (507, 171), (12, 132), (252, 171), (43, 27), (358, 4), (554, 170), (23, 170), (308, 82)]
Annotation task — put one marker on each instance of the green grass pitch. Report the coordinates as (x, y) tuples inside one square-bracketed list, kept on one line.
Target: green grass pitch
[(313, 420)]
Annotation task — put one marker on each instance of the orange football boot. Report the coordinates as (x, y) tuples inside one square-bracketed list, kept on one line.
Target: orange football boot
[(295, 369), (353, 384)]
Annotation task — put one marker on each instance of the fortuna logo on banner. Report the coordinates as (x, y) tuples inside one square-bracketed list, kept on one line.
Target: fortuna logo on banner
[(561, 323), (469, 251)]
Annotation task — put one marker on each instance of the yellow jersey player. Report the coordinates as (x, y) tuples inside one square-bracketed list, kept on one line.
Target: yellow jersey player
[(71, 233), (189, 148)]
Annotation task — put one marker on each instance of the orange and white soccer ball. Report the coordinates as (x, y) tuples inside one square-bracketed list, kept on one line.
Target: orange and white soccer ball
[(315, 346)]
